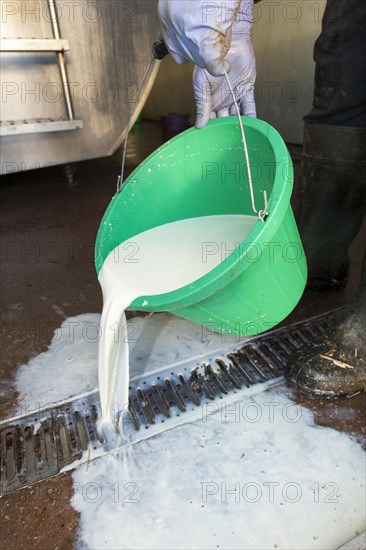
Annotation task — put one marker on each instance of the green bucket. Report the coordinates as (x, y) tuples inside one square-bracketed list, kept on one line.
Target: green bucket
[(203, 173)]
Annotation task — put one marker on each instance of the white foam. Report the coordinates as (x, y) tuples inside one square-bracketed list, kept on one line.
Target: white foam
[(69, 367), (299, 486), (166, 472)]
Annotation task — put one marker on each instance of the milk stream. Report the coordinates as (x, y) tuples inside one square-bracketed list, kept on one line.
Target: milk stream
[(164, 259)]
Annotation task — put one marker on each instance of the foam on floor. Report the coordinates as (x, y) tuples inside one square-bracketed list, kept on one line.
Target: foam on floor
[(70, 365), (296, 485), (258, 474), (67, 368)]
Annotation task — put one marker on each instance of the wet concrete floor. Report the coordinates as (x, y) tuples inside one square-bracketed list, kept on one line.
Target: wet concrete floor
[(48, 229)]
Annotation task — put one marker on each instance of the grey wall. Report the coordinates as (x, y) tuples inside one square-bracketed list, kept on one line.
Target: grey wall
[(172, 91)]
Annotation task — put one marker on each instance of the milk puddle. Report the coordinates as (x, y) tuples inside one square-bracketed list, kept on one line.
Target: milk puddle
[(298, 485), (257, 475), (167, 257)]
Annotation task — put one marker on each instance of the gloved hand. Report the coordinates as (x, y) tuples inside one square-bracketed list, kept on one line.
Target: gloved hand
[(215, 36), (197, 30), (213, 97)]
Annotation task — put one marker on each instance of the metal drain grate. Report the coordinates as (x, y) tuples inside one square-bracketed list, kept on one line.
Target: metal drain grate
[(39, 445)]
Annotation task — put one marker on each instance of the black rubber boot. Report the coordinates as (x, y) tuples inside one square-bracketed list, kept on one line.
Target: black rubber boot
[(336, 366), (332, 200)]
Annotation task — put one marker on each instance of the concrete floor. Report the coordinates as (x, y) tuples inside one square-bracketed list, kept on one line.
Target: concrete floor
[(48, 230)]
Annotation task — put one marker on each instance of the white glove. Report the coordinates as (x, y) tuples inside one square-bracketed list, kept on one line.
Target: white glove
[(197, 30), (214, 35), (213, 97)]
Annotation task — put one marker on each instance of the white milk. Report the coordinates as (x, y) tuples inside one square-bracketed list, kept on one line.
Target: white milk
[(298, 486), (166, 492), (165, 258)]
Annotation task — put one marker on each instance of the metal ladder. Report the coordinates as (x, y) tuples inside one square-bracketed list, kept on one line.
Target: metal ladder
[(46, 45)]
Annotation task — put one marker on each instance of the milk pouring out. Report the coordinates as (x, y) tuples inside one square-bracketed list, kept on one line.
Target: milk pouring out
[(166, 258)]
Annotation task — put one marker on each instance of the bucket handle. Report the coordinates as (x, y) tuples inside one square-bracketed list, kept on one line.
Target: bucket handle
[(262, 214), (120, 177)]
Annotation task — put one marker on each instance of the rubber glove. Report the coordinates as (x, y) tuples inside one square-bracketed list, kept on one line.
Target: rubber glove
[(212, 94), (197, 30), (216, 36)]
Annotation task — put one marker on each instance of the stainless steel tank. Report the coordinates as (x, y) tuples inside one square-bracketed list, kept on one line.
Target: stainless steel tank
[(70, 70)]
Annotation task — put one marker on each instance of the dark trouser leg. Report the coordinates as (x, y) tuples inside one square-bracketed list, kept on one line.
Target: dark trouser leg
[(333, 191), (333, 200), (333, 184), (340, 70)]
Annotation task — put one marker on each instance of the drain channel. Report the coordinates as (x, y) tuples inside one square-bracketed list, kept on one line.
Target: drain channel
[(39, 445)]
